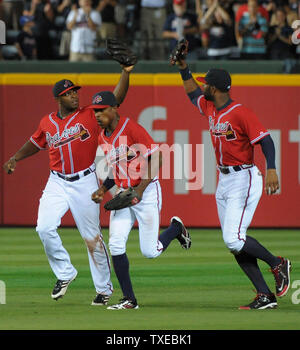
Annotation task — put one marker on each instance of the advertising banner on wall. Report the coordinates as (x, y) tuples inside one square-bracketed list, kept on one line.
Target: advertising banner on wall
[(158, 102)]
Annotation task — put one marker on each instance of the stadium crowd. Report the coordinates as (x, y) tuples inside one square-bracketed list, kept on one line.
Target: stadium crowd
[(76, 30)]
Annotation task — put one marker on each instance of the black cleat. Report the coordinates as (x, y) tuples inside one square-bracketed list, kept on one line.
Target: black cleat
[(184, 237), (281, 274), (101, 299), (262, 301), (60, 288)]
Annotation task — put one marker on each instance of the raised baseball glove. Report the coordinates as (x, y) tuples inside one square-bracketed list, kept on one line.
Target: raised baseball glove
[(124, 199), (119, 51), (179, 52)]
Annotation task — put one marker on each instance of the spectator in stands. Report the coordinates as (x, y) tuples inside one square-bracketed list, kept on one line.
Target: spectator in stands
[(269, 4), (292, 11), (120, 17), (12, 11), (289, 7), (228, 5), (216, 27), (1, 27), (43, 16), (280, 37), (244, 10), (253, 29), (62, 9), (26, 43), (1, 11), (152, 18), (182, 25), (108, 28), (83, 23), (271, 7), (294, 5), (201, 6)]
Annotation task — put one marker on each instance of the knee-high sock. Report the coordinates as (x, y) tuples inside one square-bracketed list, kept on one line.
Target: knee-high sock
[(167, 236), (121, 267), (255, 249), (249, 265)]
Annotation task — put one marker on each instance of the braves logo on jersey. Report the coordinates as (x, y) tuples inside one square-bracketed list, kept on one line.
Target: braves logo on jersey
[(222, 130), (68, 135)]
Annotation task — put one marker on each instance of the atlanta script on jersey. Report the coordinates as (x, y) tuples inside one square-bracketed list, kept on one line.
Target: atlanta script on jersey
[(234, 130), (72, 142), (127, 150)]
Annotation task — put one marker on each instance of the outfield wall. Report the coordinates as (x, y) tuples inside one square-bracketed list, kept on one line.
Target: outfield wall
[(158, 102)]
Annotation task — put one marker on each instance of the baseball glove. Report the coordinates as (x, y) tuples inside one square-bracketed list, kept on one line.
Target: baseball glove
[(179, 52), (120, 52), (124, 199)]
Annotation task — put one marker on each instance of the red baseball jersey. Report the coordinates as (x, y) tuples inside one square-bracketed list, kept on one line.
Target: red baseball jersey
[(234, 131), (72, 142), (127, 150)]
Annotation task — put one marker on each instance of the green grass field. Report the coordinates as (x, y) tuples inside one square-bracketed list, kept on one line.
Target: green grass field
[(199, 289)]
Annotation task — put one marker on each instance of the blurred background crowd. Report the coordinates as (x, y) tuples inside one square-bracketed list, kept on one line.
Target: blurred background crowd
[(76, 30)]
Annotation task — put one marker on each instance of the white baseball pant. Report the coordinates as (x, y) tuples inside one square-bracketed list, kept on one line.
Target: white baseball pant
[(237, 196), (147, 213), (58, 197)]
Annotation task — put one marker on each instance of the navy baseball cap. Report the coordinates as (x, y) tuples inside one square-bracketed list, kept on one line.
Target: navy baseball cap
[(103, 100), (63, 86), (219, 78)]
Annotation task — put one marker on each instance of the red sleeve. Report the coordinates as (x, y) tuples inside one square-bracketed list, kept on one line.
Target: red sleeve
[(39, 138), (253, 127), (240, 12), (244, 8), (143, 140), (264, 13)]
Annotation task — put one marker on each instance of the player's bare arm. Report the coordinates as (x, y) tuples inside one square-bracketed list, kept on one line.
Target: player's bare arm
[(27, 150), (154, 164), (121, 89), (72, 24)]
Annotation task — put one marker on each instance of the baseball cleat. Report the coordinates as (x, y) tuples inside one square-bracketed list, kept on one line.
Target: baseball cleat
[(261, 302), (124, 303), (281, 274), (184, 237), (101, 299), (60, 288)]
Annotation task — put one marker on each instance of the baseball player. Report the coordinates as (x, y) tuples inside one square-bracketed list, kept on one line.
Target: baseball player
[(135, 161), (71, 136), (235, 130)]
